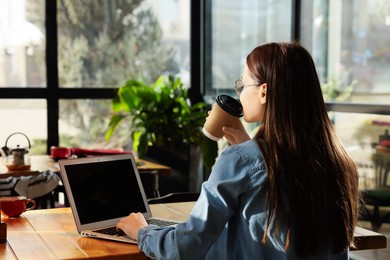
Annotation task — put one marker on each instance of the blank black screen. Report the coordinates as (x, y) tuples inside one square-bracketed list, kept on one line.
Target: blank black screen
[(104, 190)]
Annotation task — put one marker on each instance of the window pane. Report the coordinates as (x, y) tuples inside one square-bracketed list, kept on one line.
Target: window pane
[(22, 43), (235, 29), (104, 43), (27, 116), (360, 135), (83, 123), (349, 42)]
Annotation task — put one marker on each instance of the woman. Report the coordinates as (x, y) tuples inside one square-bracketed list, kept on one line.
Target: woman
[(290, 192)]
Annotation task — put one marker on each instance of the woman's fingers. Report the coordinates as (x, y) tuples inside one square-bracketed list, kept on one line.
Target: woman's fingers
[(235, 136), (131, 224)]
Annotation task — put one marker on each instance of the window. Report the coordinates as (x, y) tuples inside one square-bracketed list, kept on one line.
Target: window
[(57, 78), (22, 44), (233, 30), (18, 115), (360, 134), (348, 41), (99, 45), (22, 52), (129, 41), (349, 44)]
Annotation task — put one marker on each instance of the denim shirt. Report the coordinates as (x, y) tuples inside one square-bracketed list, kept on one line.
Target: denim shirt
[(229, 218)]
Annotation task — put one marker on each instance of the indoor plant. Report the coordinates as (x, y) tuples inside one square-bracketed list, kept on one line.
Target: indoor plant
[(333, 90), (161, 114)]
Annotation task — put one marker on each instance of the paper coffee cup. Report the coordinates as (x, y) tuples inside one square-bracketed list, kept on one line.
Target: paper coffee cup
[(226, 111)]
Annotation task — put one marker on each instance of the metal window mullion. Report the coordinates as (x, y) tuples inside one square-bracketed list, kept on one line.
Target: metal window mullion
[(52, 97)]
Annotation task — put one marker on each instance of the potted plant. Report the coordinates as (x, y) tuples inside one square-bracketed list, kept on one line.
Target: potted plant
[(161, 115), (334, 91)]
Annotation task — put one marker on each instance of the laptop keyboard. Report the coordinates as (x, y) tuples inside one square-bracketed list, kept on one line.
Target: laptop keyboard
[(118, 232), (160, 222)]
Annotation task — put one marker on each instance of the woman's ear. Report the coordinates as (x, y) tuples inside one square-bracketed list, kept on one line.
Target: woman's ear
[(263, 93)]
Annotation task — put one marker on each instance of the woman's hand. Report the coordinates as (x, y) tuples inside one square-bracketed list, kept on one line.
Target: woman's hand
[(235, 136), (131, 224)]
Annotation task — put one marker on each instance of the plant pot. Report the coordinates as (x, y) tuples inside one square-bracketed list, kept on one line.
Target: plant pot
[(185, 161)]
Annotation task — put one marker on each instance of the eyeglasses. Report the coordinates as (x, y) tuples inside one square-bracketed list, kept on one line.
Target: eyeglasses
[(240, 87)]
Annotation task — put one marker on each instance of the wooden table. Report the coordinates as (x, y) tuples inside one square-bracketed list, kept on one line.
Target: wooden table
[(52, 234), (366, 239), (149, 172), (44, 162)]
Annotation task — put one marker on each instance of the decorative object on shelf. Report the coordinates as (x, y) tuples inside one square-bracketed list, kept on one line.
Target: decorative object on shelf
[(334, 91), (16, 159), (161, 115), (384, 143)]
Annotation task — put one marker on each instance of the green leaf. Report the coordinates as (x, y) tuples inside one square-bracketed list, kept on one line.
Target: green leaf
[(209, 151), (117, 104), (136, 139), (162, 114), (113, 125), (143, 145)]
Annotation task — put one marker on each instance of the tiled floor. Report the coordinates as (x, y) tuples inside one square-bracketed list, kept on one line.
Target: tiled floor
[(380, 254)]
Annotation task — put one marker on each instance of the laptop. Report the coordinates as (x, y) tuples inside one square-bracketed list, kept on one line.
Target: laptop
[(102, 190)]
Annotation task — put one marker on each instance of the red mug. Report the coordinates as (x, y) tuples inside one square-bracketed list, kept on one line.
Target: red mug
[(14, 206), (59, 152)]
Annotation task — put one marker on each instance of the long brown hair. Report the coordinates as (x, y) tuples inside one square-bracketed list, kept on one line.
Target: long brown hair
[(312, 182)]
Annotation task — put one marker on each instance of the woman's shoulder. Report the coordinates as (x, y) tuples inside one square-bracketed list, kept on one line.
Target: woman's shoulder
[(249, 149), (241, 163), (247, 154)]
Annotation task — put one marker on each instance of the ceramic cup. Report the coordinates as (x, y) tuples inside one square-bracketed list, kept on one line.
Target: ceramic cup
[(59, 152), (226, 111), (14, 206)]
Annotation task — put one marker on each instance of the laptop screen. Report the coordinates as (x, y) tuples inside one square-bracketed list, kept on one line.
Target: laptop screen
[(104, 190)]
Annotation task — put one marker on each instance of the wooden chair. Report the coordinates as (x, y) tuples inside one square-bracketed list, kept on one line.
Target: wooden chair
[(380, 195), (175, 197)]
